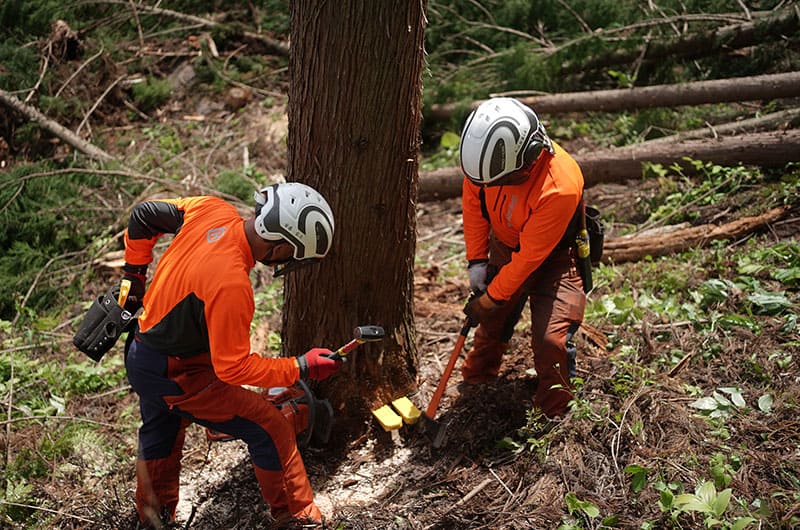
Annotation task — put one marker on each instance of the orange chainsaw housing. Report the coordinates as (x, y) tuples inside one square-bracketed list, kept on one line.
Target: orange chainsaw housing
[(311, 418)]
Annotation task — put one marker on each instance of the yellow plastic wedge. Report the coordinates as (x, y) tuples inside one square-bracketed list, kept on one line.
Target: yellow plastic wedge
[(388, 419), (407, 410)]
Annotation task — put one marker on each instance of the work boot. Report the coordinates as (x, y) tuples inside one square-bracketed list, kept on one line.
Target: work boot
[(310, 517)]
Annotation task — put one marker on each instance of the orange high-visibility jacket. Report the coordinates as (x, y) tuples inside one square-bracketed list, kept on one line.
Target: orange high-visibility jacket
[(531, 217), (201, 299)]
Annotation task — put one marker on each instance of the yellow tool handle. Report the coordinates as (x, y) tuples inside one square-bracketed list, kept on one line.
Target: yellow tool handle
[(124, 289)]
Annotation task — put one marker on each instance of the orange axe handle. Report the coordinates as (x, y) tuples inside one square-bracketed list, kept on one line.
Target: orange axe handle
[(437, 396)]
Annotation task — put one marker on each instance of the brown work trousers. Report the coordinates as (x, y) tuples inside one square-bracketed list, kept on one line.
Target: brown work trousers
[(557, 302)]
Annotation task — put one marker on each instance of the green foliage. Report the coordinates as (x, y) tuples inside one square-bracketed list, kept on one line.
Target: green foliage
[(681, 199), (447, 154), (712, 505), (151, 94), (20, 65), (22, 18), (638, 477), (719, 406), (46, 219)]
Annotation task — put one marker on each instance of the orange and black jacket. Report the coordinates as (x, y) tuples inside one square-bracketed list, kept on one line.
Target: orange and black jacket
[(200, 298), (531, 217)]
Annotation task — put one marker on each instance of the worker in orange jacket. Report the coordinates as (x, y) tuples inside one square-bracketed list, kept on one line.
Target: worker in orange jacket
[(191, 353), (521, 195)]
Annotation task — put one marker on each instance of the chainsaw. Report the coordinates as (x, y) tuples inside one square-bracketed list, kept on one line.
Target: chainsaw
[(312, 418)]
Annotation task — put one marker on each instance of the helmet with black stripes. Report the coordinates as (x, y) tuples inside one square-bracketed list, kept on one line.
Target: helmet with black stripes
[(501, 136), (295, 213)]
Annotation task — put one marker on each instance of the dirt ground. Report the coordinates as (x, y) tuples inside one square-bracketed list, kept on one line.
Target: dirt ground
[(475, 480), (491, 472)]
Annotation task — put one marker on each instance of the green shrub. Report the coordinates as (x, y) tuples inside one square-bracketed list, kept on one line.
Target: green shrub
[(151, 94)]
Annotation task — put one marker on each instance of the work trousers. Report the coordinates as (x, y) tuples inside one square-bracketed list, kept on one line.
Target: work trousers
[(557, 302), (174, 392)]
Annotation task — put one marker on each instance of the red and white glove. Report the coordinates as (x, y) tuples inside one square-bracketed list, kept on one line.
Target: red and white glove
[(318, 364)]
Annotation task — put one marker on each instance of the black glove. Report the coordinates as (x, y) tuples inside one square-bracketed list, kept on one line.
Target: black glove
[(137, 275), (318, 364), (479, 308)]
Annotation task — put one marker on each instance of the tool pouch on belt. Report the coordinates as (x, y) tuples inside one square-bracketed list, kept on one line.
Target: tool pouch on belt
[(102, 326), (594, 228), (589, 240)]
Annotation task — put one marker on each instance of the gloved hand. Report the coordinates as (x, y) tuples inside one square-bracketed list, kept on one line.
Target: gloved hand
[(479, 308), (317, 365), (137, 275), (478, 275)]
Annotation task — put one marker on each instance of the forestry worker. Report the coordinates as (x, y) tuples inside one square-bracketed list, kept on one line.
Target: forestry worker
[(521, 195), (191, 352)]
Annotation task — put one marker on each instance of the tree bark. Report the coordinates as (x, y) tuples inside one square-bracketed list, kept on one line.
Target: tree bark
[(699, 44), (760, 87), (770, 149), (633, 248), (355, 106)]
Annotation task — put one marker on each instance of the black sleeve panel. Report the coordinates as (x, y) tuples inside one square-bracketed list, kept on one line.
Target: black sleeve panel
[(148, 219)]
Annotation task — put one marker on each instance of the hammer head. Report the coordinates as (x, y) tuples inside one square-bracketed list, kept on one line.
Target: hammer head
[(368, 333)]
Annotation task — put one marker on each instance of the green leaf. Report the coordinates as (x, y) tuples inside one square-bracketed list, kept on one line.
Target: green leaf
[(765, 403), (666, 501), (449, 140), (590, 509), (705, 403), (720, 502), (742, 523), (706, 491), (638, 477), (573, 503), (722, 400), (692, 503), (770, 303)]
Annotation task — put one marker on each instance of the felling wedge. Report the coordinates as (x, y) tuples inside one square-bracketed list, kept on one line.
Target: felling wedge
[(404, 411), (407, 410), (388, 418)]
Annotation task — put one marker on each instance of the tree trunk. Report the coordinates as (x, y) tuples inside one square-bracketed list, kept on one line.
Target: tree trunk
[(759, 87), (355, 106), (700, 44), (771, 149)]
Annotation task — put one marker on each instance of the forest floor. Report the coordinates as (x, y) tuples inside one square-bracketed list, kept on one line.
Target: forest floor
[(499, 468), (496, 471)]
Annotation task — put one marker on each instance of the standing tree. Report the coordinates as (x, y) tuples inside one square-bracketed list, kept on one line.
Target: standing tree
[(355, 107)]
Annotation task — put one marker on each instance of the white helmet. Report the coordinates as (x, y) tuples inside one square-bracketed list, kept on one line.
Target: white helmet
[(297, 214), (500, 136)]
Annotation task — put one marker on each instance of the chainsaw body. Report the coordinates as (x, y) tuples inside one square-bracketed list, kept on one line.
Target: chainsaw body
[(311, 418)]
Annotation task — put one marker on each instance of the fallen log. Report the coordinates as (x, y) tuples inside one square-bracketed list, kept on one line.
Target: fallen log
[(54, 128), (775, 26), (769, 149), (759, 87), (784, 119), (633, 248)]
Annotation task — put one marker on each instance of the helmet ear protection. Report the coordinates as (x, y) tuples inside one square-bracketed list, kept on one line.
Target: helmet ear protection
[(538, 140)]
